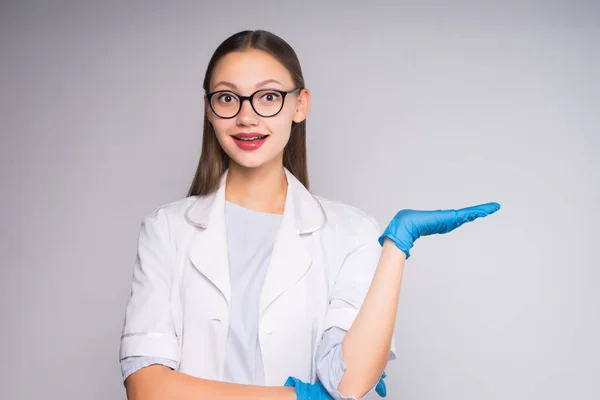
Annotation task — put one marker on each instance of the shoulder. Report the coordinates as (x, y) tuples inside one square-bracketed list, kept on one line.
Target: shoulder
[(172, 211), (169, 218), (346, 218), (349, 230), (167, 227)]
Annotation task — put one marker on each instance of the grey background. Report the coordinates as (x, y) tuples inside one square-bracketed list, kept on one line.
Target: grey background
[(415, 105)]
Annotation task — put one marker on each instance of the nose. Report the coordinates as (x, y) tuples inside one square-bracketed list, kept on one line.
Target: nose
[(247, 116)]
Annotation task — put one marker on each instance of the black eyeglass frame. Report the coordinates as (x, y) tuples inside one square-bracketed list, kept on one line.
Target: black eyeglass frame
[(283, 94)]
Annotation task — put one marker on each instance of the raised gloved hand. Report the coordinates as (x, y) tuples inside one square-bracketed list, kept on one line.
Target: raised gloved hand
[(409, 225)]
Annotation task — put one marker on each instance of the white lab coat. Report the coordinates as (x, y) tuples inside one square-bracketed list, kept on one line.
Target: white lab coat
[(321, 267)]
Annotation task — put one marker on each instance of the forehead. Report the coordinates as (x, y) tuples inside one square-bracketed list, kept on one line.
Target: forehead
[(247, 68)]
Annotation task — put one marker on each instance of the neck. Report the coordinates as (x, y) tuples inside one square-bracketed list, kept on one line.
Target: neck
[(260, 189)]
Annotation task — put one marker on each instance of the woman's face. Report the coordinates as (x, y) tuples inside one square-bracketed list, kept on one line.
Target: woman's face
[(249, 139)]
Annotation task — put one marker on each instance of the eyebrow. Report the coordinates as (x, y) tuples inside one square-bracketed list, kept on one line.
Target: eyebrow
[(259, 84)]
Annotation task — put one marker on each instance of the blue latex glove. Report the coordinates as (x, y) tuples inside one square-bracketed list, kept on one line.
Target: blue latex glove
[(308, 391), (409, 225), (381, 389)]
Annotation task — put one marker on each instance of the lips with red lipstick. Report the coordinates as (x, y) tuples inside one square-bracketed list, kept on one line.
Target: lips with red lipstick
[(249, 141)]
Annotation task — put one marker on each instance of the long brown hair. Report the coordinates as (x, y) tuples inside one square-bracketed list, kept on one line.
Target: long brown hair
[(213, 160)]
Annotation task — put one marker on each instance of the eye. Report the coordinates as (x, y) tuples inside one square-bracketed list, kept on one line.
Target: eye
[(269, 96), (227, 97)]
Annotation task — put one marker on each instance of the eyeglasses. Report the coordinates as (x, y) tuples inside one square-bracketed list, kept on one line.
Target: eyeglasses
[(265, 102)]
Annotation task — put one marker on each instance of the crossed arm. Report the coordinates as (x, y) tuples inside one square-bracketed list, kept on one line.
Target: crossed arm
[(158, 382)]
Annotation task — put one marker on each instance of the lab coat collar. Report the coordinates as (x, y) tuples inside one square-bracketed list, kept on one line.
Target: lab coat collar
[(308, 213), (290, 258)]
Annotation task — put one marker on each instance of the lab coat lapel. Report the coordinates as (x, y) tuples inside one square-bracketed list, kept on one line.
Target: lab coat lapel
[(291, 257), (209, 253)]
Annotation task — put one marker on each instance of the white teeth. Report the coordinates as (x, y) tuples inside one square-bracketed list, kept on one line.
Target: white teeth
[(249, 139)]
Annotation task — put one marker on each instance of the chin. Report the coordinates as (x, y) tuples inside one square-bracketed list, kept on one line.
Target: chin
[(249, 164), (266, 154), (250, 160)]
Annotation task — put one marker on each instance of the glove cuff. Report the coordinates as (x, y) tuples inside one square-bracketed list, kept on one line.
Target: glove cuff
[(405, 247)]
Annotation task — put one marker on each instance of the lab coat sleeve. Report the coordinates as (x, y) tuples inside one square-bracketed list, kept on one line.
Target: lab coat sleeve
[(149, 327), (354, 278), (132, 364), (330, 363)]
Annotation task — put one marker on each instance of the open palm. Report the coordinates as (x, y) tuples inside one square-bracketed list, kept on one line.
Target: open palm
[(409, 225)]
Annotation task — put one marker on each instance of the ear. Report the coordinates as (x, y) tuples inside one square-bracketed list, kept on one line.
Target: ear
[(302, 106)]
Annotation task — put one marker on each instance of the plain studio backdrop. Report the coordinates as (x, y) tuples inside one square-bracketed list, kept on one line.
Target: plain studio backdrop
[(415, 105)]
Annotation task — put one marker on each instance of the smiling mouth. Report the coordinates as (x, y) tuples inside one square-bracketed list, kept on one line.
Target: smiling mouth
[(249, 138)]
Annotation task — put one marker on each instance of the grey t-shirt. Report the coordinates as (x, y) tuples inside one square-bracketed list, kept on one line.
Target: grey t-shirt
[(250, 240)]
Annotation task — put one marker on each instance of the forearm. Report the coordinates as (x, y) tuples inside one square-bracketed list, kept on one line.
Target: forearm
[(367, 344), (161, 383)]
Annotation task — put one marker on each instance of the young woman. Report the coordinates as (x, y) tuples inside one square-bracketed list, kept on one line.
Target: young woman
[(252, 287)]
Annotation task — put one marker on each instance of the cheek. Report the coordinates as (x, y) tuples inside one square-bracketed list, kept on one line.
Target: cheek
[(223, 127), (282, 124), (280, 131), (281, 127)]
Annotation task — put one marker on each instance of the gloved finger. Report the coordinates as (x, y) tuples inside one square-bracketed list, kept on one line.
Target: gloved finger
[(469, 214), (381, 388), (444, 221), (291, 381)]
